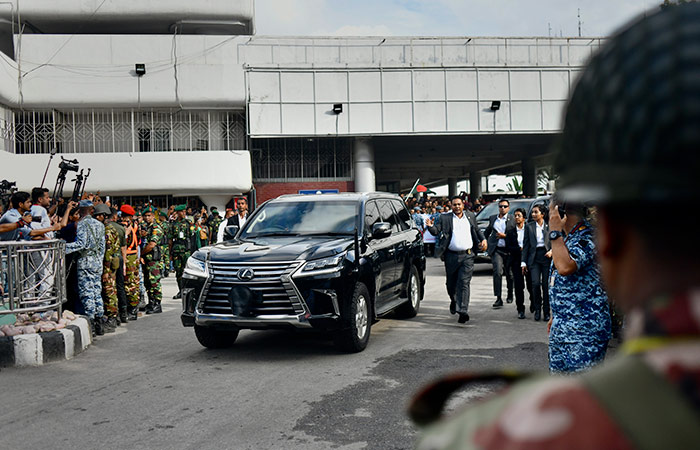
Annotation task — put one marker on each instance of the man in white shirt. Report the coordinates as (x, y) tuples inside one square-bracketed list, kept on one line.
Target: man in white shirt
[(499, 226), (239, 219), (460, 240)]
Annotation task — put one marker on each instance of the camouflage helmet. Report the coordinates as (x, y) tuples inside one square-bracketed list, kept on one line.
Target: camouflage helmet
[(632, 126)]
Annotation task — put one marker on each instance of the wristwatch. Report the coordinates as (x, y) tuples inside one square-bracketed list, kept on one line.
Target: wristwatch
[(554, 235)]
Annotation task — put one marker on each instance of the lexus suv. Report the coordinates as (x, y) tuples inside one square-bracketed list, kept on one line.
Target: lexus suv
[(334, 262)]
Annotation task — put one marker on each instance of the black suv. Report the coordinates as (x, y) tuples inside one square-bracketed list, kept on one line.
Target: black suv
[(334, 262)]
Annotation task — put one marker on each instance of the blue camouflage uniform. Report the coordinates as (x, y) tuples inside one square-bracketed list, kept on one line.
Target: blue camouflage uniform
[(90, 242), (580, 313)]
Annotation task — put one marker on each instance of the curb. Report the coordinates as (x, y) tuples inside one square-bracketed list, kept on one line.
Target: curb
[(41, 348)]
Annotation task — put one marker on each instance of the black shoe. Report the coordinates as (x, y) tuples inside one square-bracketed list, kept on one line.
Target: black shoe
[(114, 322), (537, 316), (154, 308), (91, 325), (509, 300), (107, 326), (178, 295), (521, 315), (545, 316), (123, 317), (133, 312), (498, 303), (99, 331), (463, 317), (453, 307)]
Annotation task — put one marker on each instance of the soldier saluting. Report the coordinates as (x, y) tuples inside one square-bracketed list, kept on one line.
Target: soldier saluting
[(179, 240), (151, 260)]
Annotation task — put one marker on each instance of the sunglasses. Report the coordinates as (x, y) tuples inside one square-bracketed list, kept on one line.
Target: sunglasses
[(504, 206)]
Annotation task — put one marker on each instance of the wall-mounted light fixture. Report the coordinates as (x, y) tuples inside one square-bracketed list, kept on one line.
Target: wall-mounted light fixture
[(140, 69), (337, 108), (495, 105)]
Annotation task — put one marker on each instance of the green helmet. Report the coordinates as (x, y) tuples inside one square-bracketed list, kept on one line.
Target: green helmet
[(632, 126)]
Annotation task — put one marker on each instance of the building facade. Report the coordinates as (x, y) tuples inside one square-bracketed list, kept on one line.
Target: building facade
[(162, 98)]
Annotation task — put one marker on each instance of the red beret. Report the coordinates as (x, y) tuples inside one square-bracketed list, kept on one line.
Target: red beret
[(128, 210)]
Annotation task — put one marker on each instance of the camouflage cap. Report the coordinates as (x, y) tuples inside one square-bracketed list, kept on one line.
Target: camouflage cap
[(631, 130)]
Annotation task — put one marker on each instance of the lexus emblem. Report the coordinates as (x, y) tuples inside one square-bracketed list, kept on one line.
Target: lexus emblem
[(246, 274)]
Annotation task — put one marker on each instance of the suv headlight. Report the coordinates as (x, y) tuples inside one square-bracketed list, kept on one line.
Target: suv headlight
[(323, 263), (196, 268)]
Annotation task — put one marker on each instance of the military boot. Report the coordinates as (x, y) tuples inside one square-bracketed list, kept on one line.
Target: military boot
[(154, 308), (123, 317), (133, 312), (99, 330)]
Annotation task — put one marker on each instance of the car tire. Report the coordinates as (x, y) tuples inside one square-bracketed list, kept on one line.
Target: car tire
[(356, 321), (410, 309), (213, 338)]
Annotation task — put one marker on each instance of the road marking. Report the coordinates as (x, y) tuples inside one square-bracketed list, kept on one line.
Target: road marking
[(473, 356)]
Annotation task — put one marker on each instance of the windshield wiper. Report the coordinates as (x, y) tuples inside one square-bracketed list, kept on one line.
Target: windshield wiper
[(327, 233), (271, 233)]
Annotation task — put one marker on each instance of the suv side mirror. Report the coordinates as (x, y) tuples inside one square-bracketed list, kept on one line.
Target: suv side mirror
[(381, 230), (230, 232)]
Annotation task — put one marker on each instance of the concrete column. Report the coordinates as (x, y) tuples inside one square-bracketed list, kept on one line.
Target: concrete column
[(474, 185), (529, 177), (364, 165), (218, 200), (452, 186)]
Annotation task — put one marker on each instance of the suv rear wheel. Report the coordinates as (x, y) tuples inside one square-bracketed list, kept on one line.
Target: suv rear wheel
[(213, 338), (411, 307), (356, 321)]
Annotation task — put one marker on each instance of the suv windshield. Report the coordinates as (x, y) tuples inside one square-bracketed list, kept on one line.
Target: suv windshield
[(303, 218)]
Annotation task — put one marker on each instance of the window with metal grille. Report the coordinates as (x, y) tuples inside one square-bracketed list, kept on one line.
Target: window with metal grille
[(297, 159), (107, 131)]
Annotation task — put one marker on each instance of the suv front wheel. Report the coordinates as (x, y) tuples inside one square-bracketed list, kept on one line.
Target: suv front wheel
[(413, 290), (356, 321), (213, 338)]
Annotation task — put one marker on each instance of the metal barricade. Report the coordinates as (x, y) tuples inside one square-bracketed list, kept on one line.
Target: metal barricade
[(32, 276)]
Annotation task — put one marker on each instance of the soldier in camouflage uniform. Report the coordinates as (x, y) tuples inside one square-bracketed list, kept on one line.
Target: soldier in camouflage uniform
[(151, 260), (90, 243), (629, 147), (109, 271), (214, 222), (580, 324), (131, 264), (179, 240), (164, 222)]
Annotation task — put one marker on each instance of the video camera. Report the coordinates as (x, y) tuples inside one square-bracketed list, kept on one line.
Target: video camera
[(7, 188), (65, 166)]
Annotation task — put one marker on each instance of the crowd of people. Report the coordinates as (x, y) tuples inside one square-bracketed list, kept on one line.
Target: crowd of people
[(532, 259), (116, 255)]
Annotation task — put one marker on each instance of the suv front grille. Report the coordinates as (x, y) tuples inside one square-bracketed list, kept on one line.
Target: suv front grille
[(271, 280)]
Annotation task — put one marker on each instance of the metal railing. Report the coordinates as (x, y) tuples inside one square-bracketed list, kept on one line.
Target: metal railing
[(32, 276)]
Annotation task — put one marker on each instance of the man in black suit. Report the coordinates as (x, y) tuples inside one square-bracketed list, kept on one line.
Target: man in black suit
[(501, 225), (536, 259), (460, 239), (239, 219)]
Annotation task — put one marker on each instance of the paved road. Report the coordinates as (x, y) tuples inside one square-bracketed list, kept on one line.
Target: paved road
[(150, 385)]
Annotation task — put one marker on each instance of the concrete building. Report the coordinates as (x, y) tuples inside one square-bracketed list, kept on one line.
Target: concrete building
[(163, 97)]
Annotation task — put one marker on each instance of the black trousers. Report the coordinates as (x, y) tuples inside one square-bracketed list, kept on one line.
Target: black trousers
[(518, 279), (121, 291), (459, 269), (539, 272), (501, 260)]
